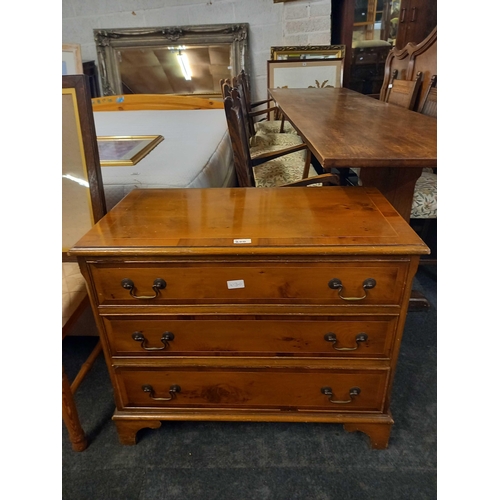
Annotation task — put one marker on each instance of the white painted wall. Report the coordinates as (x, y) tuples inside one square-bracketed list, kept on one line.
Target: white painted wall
[(298, 22)]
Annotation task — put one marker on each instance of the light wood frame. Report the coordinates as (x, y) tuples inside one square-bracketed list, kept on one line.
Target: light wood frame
[(333, 68), (129, 102), (72, 59)]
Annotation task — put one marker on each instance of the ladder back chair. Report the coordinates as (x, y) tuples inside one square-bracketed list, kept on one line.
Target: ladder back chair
[(286, 167), (259, 142), (83, 204), (278, 125)]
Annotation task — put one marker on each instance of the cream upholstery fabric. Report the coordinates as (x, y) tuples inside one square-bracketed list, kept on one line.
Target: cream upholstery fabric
[(425, 197), (273, 127), (282, 170), (259, 143), (279, 172), (73, 289)]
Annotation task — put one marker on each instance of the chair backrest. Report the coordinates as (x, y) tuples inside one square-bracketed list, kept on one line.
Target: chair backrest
[(403, 93), (238, 133), (409, 61), (226, 89), (83, 200), (240, 82), (129, 102), (428, 105)]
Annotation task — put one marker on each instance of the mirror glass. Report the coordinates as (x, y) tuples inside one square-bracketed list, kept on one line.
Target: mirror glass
[(177, 69), (184, 60)]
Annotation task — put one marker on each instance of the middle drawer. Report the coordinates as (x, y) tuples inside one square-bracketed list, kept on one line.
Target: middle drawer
[(332, 336)]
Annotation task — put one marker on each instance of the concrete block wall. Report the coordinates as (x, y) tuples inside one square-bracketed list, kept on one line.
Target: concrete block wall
[(298, 22)]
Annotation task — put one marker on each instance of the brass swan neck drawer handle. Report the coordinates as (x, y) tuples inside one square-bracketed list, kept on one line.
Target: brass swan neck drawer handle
[(353, 392), (336, 284), (331, 337), (139, 337), (173, 390), (158, 284)]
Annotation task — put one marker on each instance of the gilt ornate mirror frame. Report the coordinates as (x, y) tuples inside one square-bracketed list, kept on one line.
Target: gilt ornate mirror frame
[(109, 42)]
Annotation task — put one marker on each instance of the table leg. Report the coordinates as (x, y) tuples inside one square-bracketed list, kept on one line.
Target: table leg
[(396, 184)]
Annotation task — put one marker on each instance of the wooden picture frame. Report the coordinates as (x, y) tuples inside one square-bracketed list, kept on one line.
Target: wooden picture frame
[(305, 74), (125, 151), (320, 52), (72, 59), (83, 200)]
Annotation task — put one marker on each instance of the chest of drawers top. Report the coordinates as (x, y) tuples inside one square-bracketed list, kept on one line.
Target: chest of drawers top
[(251, 222)]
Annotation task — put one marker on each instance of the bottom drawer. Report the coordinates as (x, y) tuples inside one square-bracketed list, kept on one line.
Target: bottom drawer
[(308, 389)]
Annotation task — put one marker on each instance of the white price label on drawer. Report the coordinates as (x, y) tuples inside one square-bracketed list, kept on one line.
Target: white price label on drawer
[(236, 284), (240, 241)]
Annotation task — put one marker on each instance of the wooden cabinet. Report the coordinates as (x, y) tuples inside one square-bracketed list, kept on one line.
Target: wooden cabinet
[(417, 18), (367, 69), (283, 304), (400, 20)]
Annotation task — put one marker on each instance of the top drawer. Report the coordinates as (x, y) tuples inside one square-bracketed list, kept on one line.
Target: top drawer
[(359, 283)]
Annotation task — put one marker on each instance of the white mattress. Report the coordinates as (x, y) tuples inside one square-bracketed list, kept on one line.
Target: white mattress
[(195, 152)]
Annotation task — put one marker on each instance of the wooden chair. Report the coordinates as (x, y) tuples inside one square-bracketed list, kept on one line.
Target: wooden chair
[(403, 92), (428, 105), (410, 60), (259, 142), (83, 204), (286, 167), (266, 126)]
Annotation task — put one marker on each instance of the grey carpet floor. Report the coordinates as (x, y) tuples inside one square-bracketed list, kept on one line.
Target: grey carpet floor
[(263, 461)]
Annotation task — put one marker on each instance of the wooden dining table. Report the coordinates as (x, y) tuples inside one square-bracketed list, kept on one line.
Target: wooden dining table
[(346, 129)]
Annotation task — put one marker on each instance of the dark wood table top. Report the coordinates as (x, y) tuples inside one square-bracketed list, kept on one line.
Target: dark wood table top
[(344, 128)]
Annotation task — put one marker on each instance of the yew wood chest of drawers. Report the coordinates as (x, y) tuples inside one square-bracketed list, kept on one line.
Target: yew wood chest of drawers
[(255, 304)]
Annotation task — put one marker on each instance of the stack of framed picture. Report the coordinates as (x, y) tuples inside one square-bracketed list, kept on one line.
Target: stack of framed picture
[(306, 67), (72, 59)]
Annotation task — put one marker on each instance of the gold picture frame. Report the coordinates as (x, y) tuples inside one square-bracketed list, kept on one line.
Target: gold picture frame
[(72, 59), (311, 52), (305, 74), (125, 151)]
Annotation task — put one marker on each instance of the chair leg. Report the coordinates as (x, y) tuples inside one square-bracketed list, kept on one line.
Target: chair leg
[(86, 367), (70, 416)]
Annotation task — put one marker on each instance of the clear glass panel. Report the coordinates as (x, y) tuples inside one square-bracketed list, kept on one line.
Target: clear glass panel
[(77, 216), (375, 20)]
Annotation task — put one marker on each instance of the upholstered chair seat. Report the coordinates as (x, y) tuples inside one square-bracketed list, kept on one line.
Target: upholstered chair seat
[(273, 127), (425, 197), (264, 141), (282, 171)]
